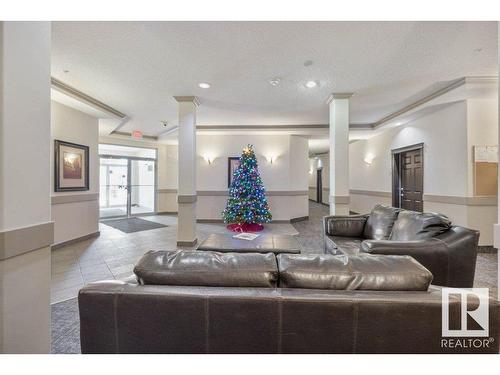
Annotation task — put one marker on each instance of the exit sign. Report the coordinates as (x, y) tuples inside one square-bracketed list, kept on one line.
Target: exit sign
[(137, 134)]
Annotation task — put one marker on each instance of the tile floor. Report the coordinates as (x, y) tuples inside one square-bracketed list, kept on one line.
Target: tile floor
[(113, 254)]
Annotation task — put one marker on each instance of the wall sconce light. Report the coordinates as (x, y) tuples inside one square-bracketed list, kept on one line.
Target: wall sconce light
[(271, 158), (311, 170), (369, 159), (208, 158)]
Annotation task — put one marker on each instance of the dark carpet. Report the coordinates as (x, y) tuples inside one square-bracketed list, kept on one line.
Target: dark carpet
[(133, 224), (65, 327)]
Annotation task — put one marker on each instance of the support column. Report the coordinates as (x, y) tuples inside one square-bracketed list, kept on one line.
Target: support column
[(339, 153), (186, 196), (26, 231), (496, 228)]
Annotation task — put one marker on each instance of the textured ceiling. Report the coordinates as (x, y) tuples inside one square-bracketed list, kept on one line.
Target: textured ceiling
[(136, 67)]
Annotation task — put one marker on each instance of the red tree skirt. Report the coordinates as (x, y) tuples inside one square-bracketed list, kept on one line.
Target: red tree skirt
[(245, 227)]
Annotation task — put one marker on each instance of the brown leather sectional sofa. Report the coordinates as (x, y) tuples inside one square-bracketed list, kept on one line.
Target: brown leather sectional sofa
[(208, 302), (449, 252)]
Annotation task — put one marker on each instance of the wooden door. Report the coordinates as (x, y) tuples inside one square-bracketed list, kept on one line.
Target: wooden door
[(319, 186), (411, 180)]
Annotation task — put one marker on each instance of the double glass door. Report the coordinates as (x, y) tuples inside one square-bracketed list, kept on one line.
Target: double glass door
[(127, 186)]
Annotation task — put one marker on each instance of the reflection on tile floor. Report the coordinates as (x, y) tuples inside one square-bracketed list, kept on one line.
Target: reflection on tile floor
[(113, 254)]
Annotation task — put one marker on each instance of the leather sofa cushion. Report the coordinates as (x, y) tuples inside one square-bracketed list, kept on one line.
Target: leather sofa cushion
[(413, 226), (346, 226), (380, 222), (207, 268), (368, 272)]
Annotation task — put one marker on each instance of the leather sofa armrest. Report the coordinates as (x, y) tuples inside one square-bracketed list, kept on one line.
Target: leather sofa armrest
[(432, 253), (344, 226)]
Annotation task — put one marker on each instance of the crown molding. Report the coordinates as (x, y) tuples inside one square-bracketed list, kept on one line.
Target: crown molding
[(452, 86), (187, 99), (84, 98)]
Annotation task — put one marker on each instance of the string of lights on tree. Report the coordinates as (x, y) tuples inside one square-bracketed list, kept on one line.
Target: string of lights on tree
[(247, 203)]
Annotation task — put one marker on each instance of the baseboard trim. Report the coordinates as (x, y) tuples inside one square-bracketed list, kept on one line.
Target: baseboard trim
[(487, 250), (297, 219), (187, 243), (75, 240)]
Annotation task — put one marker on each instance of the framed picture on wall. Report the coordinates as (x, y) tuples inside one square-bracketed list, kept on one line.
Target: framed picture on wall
[(71, 169), (232, 164)]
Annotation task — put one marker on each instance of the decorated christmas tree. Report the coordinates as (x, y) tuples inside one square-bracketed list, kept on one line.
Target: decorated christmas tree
[(247, 208)]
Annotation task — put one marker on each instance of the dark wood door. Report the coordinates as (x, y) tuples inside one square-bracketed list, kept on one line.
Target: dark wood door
[(319, 186), (411, 180)]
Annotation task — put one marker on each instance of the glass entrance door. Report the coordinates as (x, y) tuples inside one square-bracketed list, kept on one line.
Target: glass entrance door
[(113, 189), (127, 186)]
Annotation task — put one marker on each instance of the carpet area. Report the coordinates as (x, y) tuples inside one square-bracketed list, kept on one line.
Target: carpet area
[(65, 327), (132, 225)]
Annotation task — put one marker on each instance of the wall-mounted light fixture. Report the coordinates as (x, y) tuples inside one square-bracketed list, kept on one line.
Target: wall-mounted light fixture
[(271, 158), (369, 159), (311, 170), (209, 158)]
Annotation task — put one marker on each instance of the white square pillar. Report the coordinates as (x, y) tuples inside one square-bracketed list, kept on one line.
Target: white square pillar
[(339, 153), (26, 231), (186, 194)]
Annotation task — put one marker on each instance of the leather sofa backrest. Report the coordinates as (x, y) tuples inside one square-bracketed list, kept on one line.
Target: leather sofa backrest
[(339, 272), (207, 268), (414, 226), (116, 317), (380, 222)]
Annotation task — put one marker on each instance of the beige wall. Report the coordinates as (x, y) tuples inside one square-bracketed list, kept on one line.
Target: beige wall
[(77, 218)]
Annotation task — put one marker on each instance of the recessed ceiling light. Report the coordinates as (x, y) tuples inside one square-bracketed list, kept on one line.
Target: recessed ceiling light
[(204, 85), (274, 81), (311, 84), (65, 71)]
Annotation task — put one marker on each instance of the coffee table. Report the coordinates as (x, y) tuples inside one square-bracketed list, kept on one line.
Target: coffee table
[(265, 243)]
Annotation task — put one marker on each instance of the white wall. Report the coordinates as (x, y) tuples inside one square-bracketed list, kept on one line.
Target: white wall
[(448, 135), (75, 219), (287, 174), (444, 134), (24, 183)]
